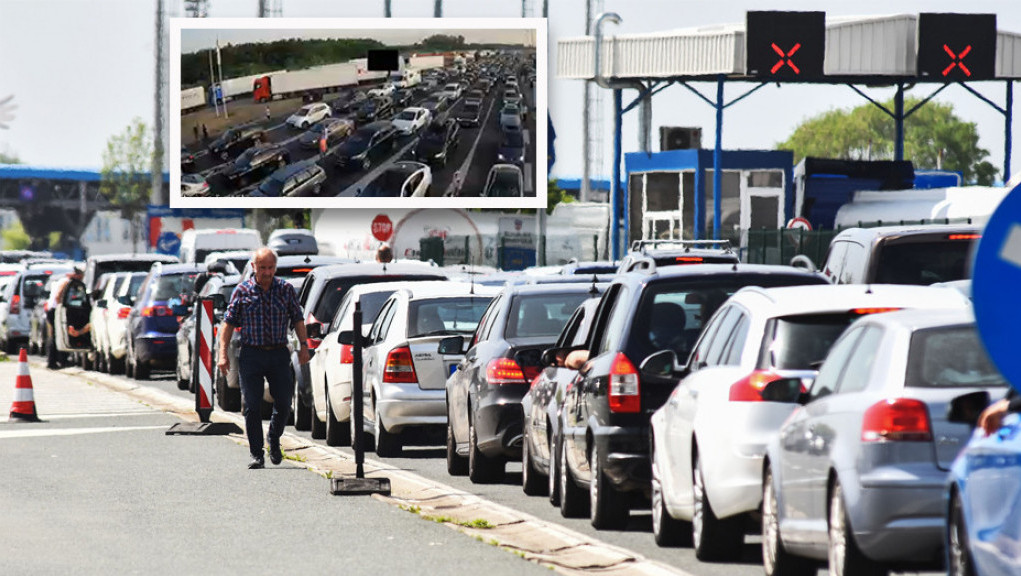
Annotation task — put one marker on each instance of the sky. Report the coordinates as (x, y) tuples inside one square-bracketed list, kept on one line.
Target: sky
[(193, 40), (80, 70)]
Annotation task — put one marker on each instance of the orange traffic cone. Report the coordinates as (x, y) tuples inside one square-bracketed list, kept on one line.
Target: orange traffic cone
[(23, 407)]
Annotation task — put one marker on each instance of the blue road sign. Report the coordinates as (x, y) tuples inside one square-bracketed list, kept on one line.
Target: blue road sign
[(995, 287), (168, 243)]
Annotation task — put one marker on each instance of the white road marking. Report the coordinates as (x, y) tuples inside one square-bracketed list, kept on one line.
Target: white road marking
[(36, 433), (463, 169)]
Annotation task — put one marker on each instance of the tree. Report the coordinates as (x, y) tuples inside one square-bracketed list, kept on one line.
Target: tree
[(15, 237), (8, 157), (554, 196), (866, 132), (127, 161)]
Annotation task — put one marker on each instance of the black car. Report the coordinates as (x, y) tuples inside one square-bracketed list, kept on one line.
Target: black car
[(335, 129), (253, 164), (401, 98), (512, 148), (372, 142), (348, 103), (484, 418), (187, 161), (300, 179), (468, 115), (603, 448), (235, 140), (436, 104), (374, 109), (437, 141)]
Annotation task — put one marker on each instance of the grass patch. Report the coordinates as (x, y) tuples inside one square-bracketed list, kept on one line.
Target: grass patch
[(413, 509), (295, 457), (439, 519), (481, 523)]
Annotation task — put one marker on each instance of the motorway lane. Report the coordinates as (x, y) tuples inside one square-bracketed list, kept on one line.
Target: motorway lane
[(475, 154), (429, 462)]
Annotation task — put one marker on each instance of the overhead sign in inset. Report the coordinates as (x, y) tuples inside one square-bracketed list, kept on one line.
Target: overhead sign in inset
[(957, 47), (785, 45)]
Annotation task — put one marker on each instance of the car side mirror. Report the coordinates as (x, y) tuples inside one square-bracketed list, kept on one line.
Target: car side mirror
[(348, 337), (314, 330), (101, 304), (452, 345), (786, 390), (124, 300), (662, 365), (967, 408)]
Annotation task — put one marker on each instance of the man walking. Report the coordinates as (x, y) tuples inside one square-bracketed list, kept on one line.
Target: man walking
[(264, 307)]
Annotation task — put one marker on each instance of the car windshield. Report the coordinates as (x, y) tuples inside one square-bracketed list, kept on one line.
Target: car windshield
[(407, 115), (923, 263), (435, 133), (336, 288), (950, 356), (173, 285), (304, 111), (508, 110), (504, 184), (543, 314), (388, 183), (445, 316), (513, 139), (359, 140), (470, 109)]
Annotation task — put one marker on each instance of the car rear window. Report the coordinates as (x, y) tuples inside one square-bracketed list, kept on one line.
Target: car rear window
[(173, 285), (923, 263), (545, 314), (796, 342), (336, 288), (950, 356), (446, 315)]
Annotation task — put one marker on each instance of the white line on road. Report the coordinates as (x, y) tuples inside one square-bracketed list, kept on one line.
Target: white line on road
[(72, 431)]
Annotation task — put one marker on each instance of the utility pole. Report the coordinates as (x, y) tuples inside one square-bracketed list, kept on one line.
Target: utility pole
[(387, 9), (438, 9), (156, 170)]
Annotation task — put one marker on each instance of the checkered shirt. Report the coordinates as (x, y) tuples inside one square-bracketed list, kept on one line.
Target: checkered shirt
[(263, 316)]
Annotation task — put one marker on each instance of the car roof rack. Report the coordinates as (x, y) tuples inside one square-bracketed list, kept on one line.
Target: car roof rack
[(644, 245)]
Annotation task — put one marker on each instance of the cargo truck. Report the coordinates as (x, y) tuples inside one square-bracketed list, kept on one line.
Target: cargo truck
[(193, 98), (319, 80)]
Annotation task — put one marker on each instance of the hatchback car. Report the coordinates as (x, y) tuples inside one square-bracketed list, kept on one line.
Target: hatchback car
[(152, 325), (468, 114), (510, 116), (404, 372), (504, 181), (437, 142), (309, 114), (603, 452), (857, 475), (369, 144), (374, 109), (110, 333), (411, 120), (333, 129), (400, 180), (304, 178), (253, 164), (709, 439)]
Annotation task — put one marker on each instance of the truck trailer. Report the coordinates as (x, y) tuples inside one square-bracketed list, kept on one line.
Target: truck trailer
[(321, 79), (193, 98)]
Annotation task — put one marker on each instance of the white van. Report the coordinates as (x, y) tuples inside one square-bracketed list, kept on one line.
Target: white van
[(197, 244)]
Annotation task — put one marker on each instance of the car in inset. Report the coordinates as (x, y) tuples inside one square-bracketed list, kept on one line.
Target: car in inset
[(411, 120), (305, 178), (236, 140), (436, 142), (374, 109), (253, 164), (367, 145), (436, 104), (405, 375), (510, 117), (382, 91), (452, 91), (152, 325), (468, 114), (504, 181), (709, 439), (194, 185), (334, 129), (348, 103), (309, 114), (475, 97), (857, 475), (402, 179), (512, 148), (187, 160)]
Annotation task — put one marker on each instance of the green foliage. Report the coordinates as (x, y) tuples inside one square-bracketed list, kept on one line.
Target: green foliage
[(127, 162), (8, 157), (54, 239), (441, 42), (555, 195), (15, 237), (866, 132)]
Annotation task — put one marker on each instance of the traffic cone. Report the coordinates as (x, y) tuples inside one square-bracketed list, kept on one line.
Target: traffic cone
[(23, 407)]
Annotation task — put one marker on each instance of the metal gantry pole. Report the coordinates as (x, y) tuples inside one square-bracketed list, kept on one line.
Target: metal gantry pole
[(717, 161), (615, 194), (1008, 140), (898, 121)]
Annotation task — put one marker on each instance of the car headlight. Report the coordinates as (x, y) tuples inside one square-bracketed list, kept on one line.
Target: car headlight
[(501, 157)]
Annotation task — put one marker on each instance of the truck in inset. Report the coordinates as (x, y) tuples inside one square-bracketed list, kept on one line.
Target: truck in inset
[(319, 80)]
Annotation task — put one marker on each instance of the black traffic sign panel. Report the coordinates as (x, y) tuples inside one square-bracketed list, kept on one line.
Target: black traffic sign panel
[(785, 45), (957, 47)]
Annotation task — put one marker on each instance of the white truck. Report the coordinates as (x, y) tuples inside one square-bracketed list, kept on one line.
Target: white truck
[(934, 205), (327, 78), (196, 244), (366, 75), (193, 98), (426, 62), (407, 78)]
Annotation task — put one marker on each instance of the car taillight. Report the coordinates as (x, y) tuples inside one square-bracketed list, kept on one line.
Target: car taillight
[(866, 311), (624, 385), (123, 313), (749, 388), (312, 343), (501, 371), (896, 420), (399, 369), (150, 311), (15, 307), (531, 372), (964, 237), (347, 355)]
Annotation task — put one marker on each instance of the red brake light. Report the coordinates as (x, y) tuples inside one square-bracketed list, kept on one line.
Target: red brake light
[(226, 232), (399, 369), (624, 386), (301, 270), (501, 371), (151, 311), (8, 273), (896, 420), (689, 259), (964, 236), (865, 311), (15, 307), (123, 312), (749, 388)]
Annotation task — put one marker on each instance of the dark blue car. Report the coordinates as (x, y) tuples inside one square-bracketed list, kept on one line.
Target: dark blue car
[(152, 325)]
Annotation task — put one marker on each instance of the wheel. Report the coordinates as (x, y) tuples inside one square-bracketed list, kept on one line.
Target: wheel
[(337, 433), (553, 478), (318, 427), (666, 530), (609, 506), (141, 370), (302, 413), (958, 551), (845, 558), (712, 538), (573, 501), (129, 368), (532, 482), (481, 468), (456, 465), (388, 444), (775, 559), (182, 383)]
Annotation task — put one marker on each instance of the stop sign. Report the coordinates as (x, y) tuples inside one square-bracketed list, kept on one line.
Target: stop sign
[(382, 227)]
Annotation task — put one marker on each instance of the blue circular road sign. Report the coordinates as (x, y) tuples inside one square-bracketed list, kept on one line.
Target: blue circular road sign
[(168, 243), (995, 287)]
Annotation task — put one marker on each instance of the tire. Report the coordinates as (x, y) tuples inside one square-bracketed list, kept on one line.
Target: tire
[(366, 164), (456, 465), (318, 427), (481, 468), (533, 483), (337, 433), (958, 551), (608, 506), (845, 558), (667, 531), (141, 371), (712, 538), (776, 561), (116, 365), (388, 444), (182, 383), (573, 500), (302, 413)]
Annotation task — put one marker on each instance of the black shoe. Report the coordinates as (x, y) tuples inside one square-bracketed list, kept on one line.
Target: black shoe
[(275, 455), (256, 463)]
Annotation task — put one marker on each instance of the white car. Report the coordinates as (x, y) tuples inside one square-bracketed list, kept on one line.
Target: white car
[(309, 114), (411, 120), (194, 185), (405, 374), (110, 319), (453, 91), (504, 181), (710, 437), (404, 179), (383, 91)]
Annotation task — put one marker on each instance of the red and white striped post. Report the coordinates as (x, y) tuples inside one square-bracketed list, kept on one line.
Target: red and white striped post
[(203, 371)]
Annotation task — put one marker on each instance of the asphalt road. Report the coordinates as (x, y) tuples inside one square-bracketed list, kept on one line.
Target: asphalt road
[(429, 462), (475, 154)]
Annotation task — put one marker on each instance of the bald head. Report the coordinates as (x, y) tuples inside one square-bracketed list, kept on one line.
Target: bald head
[(264, 264)]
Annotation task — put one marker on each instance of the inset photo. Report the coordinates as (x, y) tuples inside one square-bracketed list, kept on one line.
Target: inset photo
[(358, 113)]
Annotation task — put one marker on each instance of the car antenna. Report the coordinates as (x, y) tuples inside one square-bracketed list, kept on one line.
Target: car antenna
[(593, 290)]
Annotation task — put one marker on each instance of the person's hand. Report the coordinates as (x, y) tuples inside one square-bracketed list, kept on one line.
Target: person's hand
[(303, 355), (576, 359), (223, 364), (992, 417)]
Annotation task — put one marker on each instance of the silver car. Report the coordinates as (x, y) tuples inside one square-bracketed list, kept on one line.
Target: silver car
[(856, 475), (18, 299)]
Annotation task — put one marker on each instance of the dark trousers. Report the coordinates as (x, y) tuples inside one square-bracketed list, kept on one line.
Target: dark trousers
[(274, 366)]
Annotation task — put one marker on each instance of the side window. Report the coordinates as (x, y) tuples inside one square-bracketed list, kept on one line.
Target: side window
[(701, 350), (306, 287), (567, 335), (722, 337), (732, 352), (388, 321), (835, 260), (486, 323), (612, 325), (854, 264), (381, 324), (339, 316), (826, 381), (859, 366)]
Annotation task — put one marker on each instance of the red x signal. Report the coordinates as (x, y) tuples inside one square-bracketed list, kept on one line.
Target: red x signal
[(957, 60), (785, 58)]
